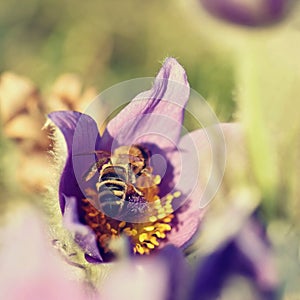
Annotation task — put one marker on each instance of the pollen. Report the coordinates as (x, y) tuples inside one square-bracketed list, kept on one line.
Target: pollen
[(152, 219), (144, 237), (157, 179), (177, 194)]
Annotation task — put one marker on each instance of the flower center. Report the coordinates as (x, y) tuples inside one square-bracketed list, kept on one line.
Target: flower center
[(126, 185)]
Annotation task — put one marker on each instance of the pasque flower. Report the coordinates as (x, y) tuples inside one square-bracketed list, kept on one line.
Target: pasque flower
[(143, 180)]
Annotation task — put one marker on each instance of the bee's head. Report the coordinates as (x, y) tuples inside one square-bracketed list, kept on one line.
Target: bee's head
[(139, 158)]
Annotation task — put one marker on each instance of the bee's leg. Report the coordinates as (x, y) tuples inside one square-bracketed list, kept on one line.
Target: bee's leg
[(131, 189), (90, 172)]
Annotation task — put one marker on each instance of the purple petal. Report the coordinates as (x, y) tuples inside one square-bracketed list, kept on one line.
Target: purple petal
[(83, 234), (34, 270), (247, 254), (66, 121), (200, 161), (140, 278), (258, 13), (81, 134), (198, 175), (165, 274), (154, 116), (178, 272), (187, 209), (196, 156), (187, 225)]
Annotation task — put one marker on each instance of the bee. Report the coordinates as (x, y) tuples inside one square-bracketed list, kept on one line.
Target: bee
[(121, 176)]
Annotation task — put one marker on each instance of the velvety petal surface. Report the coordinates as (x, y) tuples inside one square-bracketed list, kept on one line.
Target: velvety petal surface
[(66, 121), (201, 160), (83, 234), (82, 137), (154, 116)]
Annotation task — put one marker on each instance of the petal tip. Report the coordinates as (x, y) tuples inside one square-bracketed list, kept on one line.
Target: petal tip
[(173, 70)]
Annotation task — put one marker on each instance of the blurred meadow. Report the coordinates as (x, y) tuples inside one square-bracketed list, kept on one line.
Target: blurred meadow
[(61, 54)]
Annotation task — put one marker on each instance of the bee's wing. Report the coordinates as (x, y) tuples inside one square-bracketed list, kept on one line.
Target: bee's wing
[(91, 172), (103, 158), (126, 158)]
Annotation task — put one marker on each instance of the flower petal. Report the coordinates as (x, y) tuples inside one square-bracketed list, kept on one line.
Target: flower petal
[(154, 116), (201, 160), (252, 13), (170, 282), (66, 121), (198, 164), (82, 137), (83, 234), (33, 271), (178, 272), (248, 255), (140, 278), (188, 218)]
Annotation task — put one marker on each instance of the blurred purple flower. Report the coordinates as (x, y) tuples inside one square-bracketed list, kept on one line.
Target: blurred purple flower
[(33, 271), (36, 273), (153, 119), (246, 255), (248, 13), (164, 276)]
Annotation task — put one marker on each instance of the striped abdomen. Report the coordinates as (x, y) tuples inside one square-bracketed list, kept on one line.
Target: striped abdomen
[(112, 189)]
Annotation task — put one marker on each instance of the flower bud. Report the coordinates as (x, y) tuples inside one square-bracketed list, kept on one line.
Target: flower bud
[(251, 13)]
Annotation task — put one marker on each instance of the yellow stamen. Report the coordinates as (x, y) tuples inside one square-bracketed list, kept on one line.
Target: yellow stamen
[(152, 219), (140, 249), (157, 180), (143, 237), (150, 246), (149, 228), (160, 216), (154, 241), (177, 194), (122, 224), (114, 231)]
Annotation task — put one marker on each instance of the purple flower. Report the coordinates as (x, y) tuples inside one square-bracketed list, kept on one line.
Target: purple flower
[(145, 177), (165, 276), (249, 13), (246, 256), (34, 271)]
